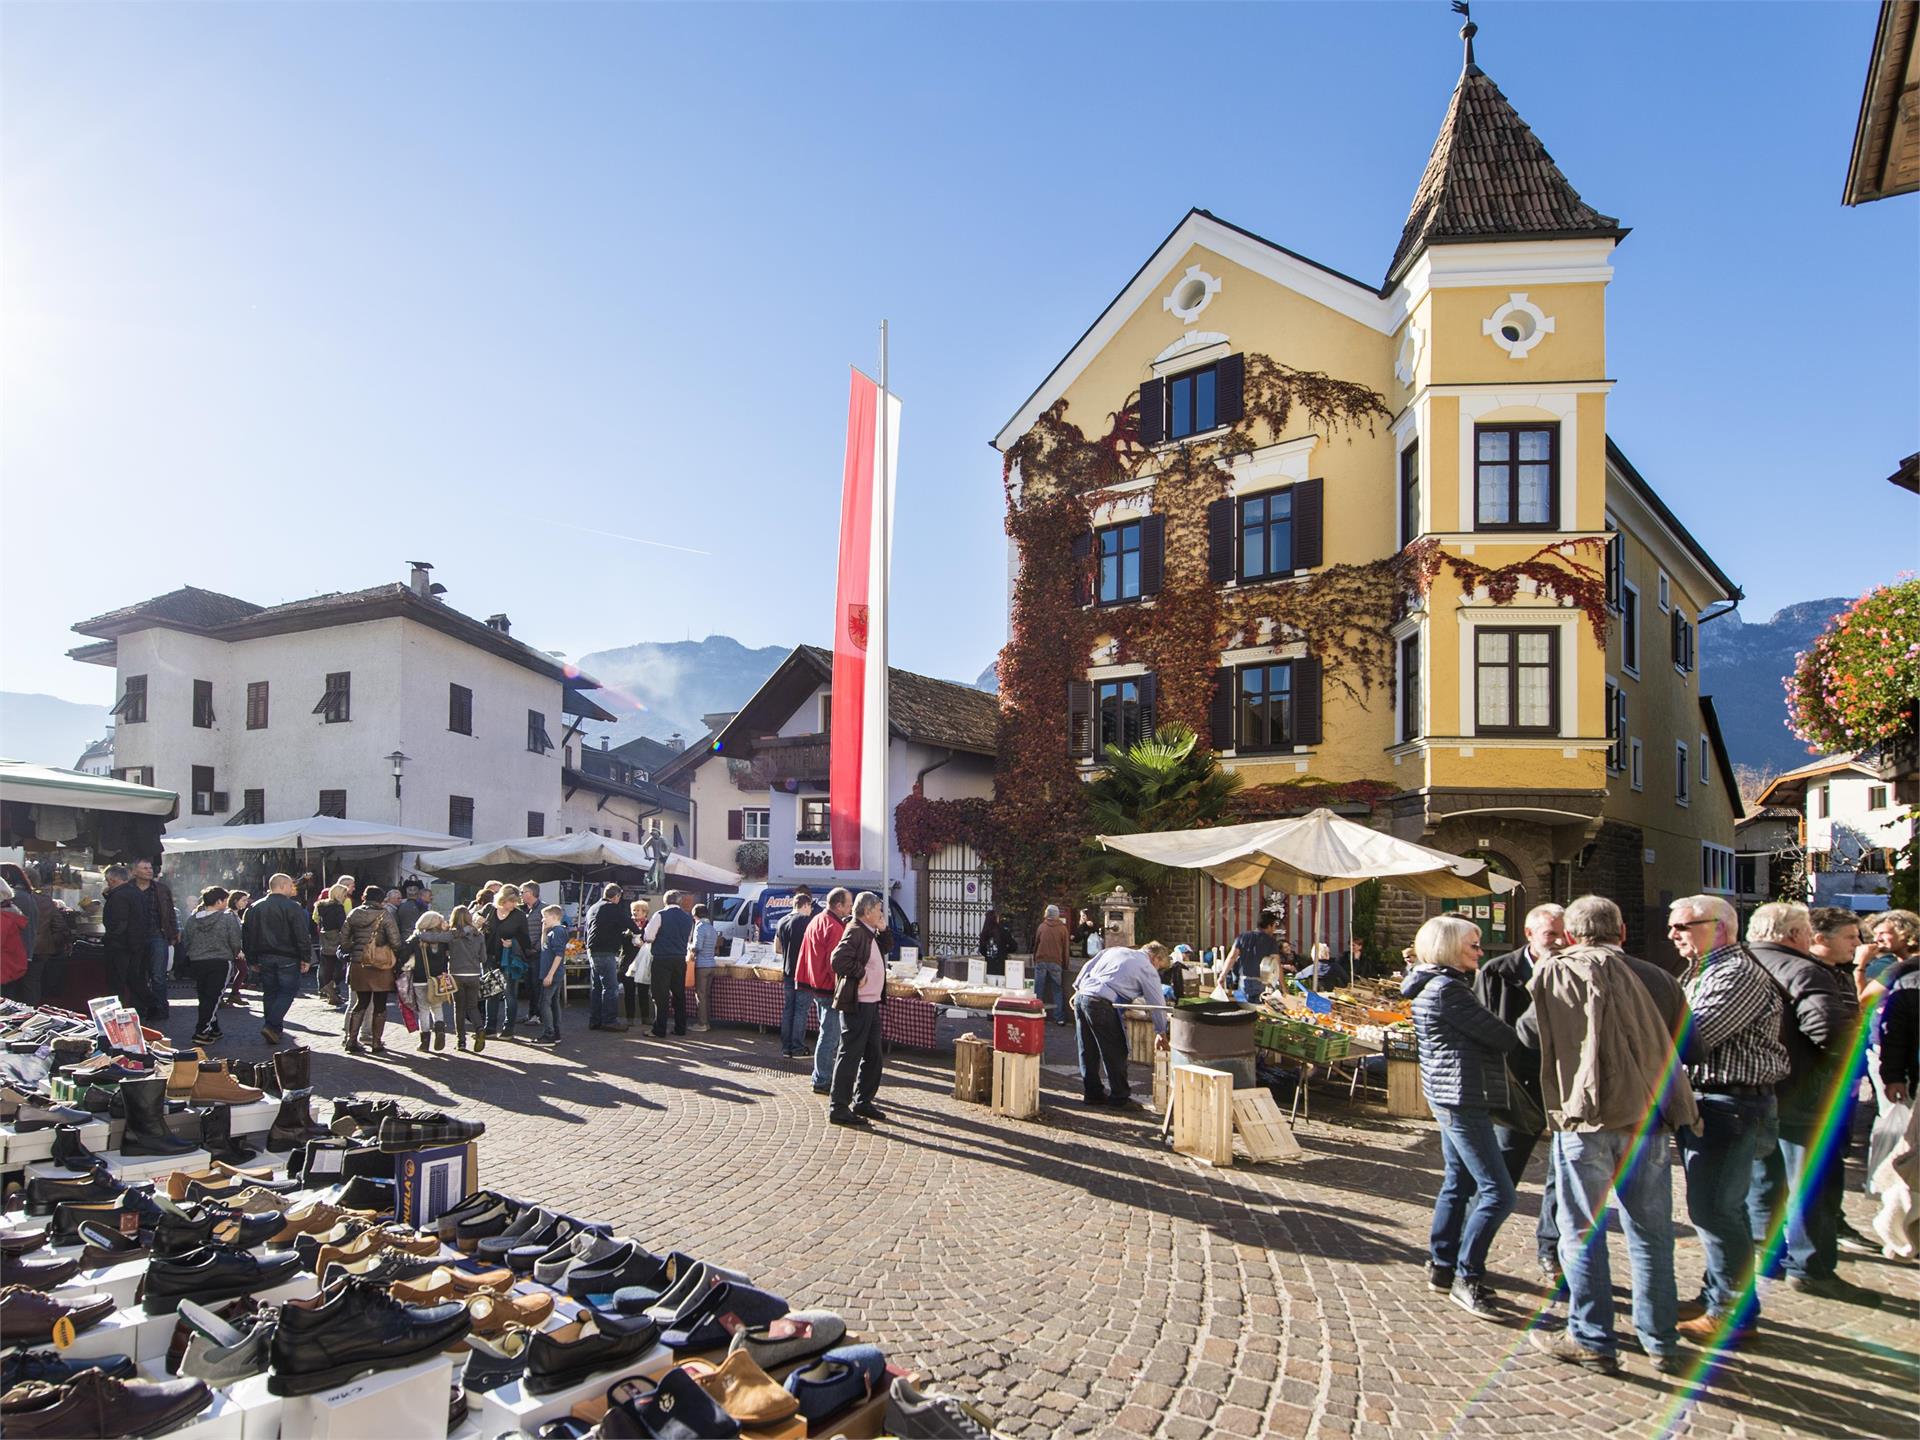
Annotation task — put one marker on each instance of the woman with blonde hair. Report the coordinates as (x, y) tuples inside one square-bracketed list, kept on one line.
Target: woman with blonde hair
[(636, 995), (329, 919), (1463, 1048)]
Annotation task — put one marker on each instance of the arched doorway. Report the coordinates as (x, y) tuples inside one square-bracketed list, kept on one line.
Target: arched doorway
[(1500, 917)]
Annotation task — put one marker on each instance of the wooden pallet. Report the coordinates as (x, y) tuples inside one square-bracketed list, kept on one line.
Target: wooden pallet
[(972, 1069), (1262, 1128), (1203, 1113), (1016, 1085), (1406, 1097)]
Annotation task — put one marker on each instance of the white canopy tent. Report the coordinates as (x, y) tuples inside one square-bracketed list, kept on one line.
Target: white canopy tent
[(26, 784), (1313, 854), (581, 855), (315, 832)]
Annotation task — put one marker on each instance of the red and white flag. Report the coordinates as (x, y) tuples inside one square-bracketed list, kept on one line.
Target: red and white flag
[(858, 734)]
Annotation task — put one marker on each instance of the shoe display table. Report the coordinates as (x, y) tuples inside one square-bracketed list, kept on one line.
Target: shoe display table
[(23, 1149), (121, 1281), (222, 1420), (381, 1406)]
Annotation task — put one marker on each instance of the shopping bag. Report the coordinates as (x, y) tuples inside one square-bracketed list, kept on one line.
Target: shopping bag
[(641, 970), (1889, 1128), (408, 1015), (693, 972)]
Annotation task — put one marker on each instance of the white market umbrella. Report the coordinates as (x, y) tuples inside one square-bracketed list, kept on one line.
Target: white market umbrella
[(28, 784), (566, 857), (315, 832), (1313, 854)]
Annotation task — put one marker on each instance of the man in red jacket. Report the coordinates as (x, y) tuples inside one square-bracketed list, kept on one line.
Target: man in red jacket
[(814, 976)]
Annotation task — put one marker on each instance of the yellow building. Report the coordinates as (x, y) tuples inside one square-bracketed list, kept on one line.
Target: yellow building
[(1377, 538)]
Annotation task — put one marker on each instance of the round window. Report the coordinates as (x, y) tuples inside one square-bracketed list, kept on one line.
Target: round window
[(1517, 327), (1191, 295)]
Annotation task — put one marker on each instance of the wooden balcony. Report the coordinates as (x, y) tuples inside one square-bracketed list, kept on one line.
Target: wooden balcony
[(781, 761)]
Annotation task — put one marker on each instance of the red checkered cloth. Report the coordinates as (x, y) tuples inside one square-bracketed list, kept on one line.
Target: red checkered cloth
[(758, 1002)]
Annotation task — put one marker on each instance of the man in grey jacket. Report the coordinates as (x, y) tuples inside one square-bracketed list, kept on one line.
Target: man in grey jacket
[(1612, 1088)]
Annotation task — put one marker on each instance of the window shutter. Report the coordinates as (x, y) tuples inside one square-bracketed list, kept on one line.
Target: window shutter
[(1306, 701), (1149, 705), (1220, 719), (1673, 636), (1230, 390), (1082, 573), (736, 825), (1153, 553), (1308, 511), (219, 802), (1153, 412), (1079, 719), (1220, 541)]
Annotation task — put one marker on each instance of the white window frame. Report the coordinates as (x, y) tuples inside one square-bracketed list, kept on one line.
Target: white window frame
[(1636, 765), (1666, 593), (1632, 668), (748, 814), (1706, 777), (1682, 777), (1717, 868)]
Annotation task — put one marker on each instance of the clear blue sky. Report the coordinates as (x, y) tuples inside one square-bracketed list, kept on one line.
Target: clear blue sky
[(295, 293)]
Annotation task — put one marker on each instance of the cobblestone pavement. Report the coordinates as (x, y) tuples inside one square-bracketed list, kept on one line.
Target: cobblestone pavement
[(1075, 1276)]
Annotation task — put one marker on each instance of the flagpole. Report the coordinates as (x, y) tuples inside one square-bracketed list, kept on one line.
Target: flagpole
[(884, 530)]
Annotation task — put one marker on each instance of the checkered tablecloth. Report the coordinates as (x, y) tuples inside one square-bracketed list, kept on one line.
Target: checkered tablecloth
[(757, 1002)]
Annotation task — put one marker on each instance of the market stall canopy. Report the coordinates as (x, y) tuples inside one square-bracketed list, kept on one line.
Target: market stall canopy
[(315, 832), (570, 857), (1311, 855), (26, 784)]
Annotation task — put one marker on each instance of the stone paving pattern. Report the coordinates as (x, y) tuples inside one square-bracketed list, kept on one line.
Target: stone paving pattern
[(1079, 1279)]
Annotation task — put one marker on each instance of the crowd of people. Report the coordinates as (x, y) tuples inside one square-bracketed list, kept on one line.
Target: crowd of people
[(1746, 1058)]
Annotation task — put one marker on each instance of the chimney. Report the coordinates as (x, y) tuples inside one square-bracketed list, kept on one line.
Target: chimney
[(500, 623), (674, 742), (605, 741), (418, 581)]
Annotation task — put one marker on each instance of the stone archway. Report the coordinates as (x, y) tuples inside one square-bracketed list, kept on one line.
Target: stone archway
[(1500, 917)]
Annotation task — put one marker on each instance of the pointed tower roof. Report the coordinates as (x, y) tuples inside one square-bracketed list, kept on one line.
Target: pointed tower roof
[(1490, 178)]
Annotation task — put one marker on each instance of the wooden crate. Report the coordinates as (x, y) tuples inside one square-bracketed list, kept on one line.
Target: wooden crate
[(1160, 1059), (1406, 1098), (1263, 1130), (1016, 1085), (1203, 1113), (972, 1069), (1139, 1038)]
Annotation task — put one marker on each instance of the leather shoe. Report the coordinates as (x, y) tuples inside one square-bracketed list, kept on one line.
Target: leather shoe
[(34, 1273), (382, 1269), (47, 1191), (27, 1317), (597, 1342), (19, 1242), (50, 1367), (93, 1403), (211, 1274), (352, 1327), (106, 1247)]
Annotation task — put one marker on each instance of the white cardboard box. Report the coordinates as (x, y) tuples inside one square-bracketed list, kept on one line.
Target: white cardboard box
[(118, 1334), (121, 1281), (127, 1168), (38, 1144), (152, 1334), (382, 1406), (260, 1409), (512, 1408), (254, 1119)]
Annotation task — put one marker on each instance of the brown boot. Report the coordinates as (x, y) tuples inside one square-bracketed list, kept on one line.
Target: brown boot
[(215, 1086), (352, 1045), (379, 1029), (184, 1075)]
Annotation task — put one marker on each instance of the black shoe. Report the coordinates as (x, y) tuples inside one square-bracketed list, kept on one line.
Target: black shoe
[(846, 1117), (1474, 1297), (1122, 1102), (46, 1192), (823, 1089), (1439, 1277), (1854, 1243), (1832, 1287), (363, 1192), (528, 1223), (1095, 1097), (595, 1343), (68, 1152), (356, 1327), (470, 1229), (210, 1274), (36, 1272), (471, 1208), (627, 1268), (383, 1268), (403, 1132), (870, 1110)]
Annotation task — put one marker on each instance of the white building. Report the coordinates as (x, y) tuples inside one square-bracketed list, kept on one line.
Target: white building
[(605, 793), (97, 758), (762, 776), (279, 712), (1851, 825)]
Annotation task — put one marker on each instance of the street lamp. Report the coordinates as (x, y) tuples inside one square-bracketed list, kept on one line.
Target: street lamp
[(396, 760)]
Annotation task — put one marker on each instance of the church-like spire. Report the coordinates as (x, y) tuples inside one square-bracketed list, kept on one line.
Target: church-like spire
[(1490, 178)]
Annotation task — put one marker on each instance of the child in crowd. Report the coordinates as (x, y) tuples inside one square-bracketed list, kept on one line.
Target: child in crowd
[(552, 975)]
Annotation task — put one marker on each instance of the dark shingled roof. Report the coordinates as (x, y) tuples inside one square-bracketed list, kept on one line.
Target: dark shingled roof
[(1490, 178), (934, 712), (190, 606)]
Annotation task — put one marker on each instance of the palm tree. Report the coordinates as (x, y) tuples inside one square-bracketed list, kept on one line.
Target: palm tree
[(1164, 782)]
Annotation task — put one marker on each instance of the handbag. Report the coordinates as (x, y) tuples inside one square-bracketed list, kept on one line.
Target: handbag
[(441, 988), (376, 954), (408, 1015), (493, 983)]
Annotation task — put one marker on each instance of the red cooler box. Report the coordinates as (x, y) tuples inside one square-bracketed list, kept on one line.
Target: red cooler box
[(1019, 1025)]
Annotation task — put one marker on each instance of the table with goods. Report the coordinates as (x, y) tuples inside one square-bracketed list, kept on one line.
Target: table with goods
[(1339, 1033), (262, 1275)]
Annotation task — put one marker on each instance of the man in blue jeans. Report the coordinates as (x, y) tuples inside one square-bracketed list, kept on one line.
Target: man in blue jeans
[(795, 1003), (813, 976), (1052, 948), (277, 936), (1613, 1093), (609, 923)]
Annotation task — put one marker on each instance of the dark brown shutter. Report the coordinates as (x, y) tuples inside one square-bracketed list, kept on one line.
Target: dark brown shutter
[(1306, 701), (1079, 719), (1220, 541), (1149, 705), (1673, 635), (1082, 573), (1153, 553), (1220, 719), (1230, 390), (736, 824), (1309, 506), (1153, 412)]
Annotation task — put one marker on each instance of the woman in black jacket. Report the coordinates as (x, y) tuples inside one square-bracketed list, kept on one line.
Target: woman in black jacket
[(996, 942), (510, 946), (1463, 1047)]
